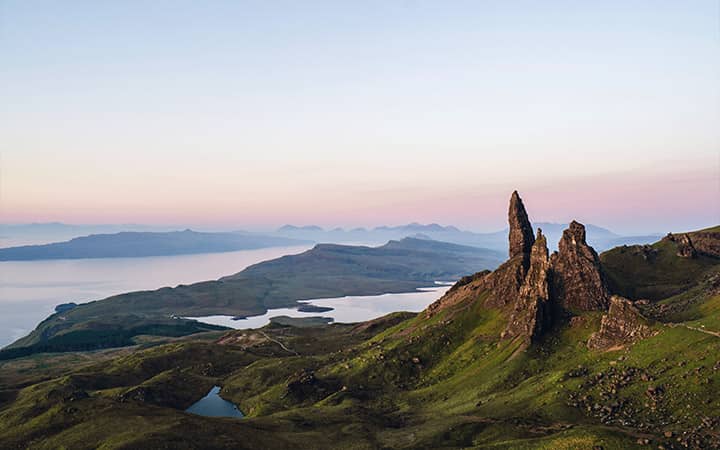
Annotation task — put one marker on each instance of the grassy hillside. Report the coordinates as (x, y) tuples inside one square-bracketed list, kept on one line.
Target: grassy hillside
[(442, 380), (654, 271), (322, 272)]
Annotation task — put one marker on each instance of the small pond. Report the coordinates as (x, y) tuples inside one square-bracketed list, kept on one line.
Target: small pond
[(212, 405)]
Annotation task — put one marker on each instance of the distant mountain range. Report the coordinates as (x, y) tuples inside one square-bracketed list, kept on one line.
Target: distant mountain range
[(12, 235), (111, 241), (598, 237), (137, 244)]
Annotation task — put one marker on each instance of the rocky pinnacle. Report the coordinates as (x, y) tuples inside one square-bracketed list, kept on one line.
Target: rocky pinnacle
[(578, 282), (531, 315), (521, 232)]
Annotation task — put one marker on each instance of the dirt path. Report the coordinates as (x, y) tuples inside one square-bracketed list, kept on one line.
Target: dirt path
[(701, 330), (280, 344)]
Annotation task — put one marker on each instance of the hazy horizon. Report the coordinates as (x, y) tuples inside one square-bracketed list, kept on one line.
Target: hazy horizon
[(247, 115), (327, 228)]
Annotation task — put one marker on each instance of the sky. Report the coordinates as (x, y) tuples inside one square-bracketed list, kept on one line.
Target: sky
[(252, 114)]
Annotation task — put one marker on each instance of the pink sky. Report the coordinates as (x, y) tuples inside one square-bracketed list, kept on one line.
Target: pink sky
[(248, 115), (658, 200)]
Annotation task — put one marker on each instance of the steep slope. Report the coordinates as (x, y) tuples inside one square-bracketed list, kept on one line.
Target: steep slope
[(660, 270)]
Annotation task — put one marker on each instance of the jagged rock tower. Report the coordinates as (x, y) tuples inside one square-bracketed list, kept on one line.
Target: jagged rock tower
[(521, 233), (532, 287), (577, 279), (571, 279), (532, 313), (505, 282)]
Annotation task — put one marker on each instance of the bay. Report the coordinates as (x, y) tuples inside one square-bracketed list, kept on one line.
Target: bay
[(30, 290)]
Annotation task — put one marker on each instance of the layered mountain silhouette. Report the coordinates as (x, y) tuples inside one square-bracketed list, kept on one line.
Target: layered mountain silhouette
[(601, 238)]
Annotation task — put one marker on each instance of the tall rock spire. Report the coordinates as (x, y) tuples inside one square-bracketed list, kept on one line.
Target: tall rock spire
[(531, 314), (521, 232), (578, 282)]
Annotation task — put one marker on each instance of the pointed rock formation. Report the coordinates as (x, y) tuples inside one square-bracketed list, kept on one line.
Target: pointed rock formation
[(532, 312), (577, 280), (623, 324), (521, 232), (505, 282)]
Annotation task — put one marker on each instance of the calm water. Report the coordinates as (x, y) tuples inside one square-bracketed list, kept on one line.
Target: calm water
[(212, 405), (345, 309), (30, 290)]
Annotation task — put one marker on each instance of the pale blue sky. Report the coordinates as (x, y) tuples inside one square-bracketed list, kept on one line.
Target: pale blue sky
[(340, 113)]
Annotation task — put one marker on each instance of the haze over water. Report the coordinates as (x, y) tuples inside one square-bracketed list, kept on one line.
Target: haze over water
[(30, 290)]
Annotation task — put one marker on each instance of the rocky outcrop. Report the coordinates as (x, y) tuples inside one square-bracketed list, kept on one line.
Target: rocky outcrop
[(577, 279), (521, 232), (685, 248), (532, 287), (707, 242), (505, 282), (623, 324), (532, 312)]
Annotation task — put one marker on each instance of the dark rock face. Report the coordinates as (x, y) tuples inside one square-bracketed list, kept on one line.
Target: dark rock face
[(577, 279), (532, 312), (707, 242), (622, 324), (521, 232), (504, 283)]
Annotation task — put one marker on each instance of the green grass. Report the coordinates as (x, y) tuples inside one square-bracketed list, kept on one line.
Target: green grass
[(404, 381), (655, 274)]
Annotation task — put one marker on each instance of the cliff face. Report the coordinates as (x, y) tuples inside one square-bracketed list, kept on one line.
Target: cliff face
[(531, 315), (707, 242), (622, 324), (578, 282), (703, 242)]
